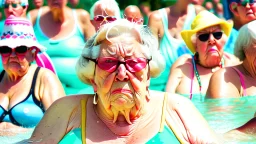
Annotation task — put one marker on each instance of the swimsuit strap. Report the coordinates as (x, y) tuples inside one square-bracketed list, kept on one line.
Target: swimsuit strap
[(2, 75), (83, 118), (191, 84), (197, 75), (34, 79), (241, 76), (163, 112)]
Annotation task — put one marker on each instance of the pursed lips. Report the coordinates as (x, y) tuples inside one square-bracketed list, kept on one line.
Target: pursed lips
[(120, 90)]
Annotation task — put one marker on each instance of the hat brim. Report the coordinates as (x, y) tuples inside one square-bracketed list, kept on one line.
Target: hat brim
[(15, 43), (187, 34)]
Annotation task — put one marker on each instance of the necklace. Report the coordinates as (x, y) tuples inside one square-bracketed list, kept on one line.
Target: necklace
[(198, 76)]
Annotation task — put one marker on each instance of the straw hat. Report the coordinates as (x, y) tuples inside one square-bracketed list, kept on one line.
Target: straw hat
[(203, 20), (19, 32)]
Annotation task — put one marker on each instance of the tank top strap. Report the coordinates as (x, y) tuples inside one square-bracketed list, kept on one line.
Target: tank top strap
[(2, 75), (241, 76), (190, 17), (38, 17), (163, 112), (77, 23), (83, 119), (163, 14)]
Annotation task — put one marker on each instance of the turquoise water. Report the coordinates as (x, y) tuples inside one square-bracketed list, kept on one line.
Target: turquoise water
[(222, 115)]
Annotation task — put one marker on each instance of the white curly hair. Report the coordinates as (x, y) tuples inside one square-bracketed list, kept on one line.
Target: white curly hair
[(149, 45)]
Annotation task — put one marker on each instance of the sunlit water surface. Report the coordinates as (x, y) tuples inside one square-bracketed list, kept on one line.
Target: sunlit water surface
[(222, 114)]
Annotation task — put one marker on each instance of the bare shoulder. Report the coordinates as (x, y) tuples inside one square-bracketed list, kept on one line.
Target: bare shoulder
[(182, 60), (83, 14), (231, 59), (199, 8), (33, 15), (155, 15)]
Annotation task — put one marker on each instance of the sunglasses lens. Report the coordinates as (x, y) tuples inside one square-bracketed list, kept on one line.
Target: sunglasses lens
[(21, 49), (204, 37), (136, 65), (108, 64), (217, 35), (98, 18), (5, 50), (14, 5), (111, 18)]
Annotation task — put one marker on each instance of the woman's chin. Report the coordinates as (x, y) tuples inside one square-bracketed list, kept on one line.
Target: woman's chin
[(122, 103)]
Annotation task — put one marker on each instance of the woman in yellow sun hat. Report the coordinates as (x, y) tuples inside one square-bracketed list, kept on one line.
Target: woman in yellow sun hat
[(190, 75)]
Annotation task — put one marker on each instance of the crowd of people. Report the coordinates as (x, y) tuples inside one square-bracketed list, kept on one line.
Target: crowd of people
[(107, 76)]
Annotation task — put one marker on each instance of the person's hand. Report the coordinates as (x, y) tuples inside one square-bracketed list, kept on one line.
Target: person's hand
[(9, 129)]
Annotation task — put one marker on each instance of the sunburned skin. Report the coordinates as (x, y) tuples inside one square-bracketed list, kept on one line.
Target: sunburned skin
[(122, 99)]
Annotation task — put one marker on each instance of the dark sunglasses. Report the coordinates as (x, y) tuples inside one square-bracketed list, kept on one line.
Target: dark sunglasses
[(110, 64), (204, 37), (135, 20), (101, 18), (20, 50), (14, 5), (244, 2)]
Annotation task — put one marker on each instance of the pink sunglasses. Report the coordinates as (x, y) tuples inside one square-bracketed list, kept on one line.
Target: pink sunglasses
[(110, 64), (101, 18)]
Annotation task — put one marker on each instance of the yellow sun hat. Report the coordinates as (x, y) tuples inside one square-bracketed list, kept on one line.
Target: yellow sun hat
[(203, 20)]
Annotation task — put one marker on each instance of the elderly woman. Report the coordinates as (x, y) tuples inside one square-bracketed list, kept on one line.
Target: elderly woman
[(133, 14), (238, 81), (63, 31), (104, 11), (119, 61), (190, 75), (26, 91)]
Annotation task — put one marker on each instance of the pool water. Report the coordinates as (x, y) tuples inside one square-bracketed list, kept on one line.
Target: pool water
[(222, 114)]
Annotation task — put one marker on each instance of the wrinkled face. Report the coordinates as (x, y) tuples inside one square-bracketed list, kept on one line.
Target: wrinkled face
[(246, 12), (74, 3), (108, 16), (13, 7), (57, 4), (121, 74), (16, 60), (38, 3), (133, 14), (210, 43)]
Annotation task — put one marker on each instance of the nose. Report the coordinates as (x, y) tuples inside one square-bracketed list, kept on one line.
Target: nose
[(13, 54), (211, 39), (121, 73), (10, 10)]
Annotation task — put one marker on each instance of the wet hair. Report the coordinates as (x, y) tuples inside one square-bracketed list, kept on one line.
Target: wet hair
[(106, 4), (148, 46), (246, 38)]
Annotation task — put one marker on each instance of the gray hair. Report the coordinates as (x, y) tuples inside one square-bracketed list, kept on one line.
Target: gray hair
[(106, 4), (246, 38), (149, 46)]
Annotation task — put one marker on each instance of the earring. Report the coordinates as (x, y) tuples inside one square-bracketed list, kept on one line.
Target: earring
[(95, 99)]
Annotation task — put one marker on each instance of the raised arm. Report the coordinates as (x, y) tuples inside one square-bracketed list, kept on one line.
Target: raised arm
[(86, 25), (156, 25), (186, 121), (49, 87)]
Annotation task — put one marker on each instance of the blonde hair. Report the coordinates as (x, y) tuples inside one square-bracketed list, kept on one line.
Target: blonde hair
[(149, 45), (246, 38)]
